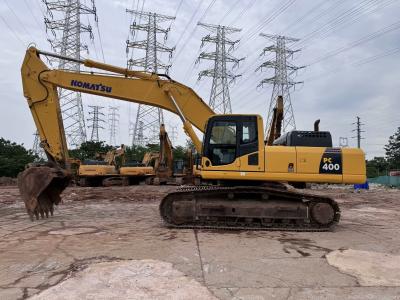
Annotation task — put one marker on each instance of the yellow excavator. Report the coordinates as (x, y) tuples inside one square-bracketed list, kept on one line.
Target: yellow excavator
[(240, 173)]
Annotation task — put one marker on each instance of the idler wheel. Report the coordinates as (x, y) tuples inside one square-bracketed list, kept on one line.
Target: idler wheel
[(322, 213)]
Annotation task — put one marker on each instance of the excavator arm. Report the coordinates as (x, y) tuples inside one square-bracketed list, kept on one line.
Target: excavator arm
[(41, 186), (40, 89)]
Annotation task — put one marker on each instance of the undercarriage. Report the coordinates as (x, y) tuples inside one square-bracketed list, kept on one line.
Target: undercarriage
[(248, 208)]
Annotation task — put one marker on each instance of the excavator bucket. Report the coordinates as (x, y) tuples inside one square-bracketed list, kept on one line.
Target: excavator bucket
[(40, 188)]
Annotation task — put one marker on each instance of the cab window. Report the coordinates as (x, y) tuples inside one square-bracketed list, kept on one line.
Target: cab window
[(249, 132), (223, 143), (223, 133)]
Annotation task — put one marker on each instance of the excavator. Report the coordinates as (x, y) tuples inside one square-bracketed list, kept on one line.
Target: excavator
[(241, 175)]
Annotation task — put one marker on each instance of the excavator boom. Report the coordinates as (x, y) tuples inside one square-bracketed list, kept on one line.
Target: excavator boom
[(40, 89)]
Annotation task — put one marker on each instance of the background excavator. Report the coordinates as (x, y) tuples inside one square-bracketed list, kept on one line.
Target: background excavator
[(237, 165)]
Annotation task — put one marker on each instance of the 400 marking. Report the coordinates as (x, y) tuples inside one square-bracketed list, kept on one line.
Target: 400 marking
[(331, 167)]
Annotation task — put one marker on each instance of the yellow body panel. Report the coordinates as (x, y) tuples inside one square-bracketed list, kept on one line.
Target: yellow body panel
[(278, 159), (96, 170), (353, 165), (136, 171), (308, 159)]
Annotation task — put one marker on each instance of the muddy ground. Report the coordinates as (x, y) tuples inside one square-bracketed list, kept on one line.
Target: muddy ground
[(109, 243)]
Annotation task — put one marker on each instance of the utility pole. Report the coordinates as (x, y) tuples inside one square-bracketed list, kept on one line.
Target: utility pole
[(113, 119), (220, 100), (281, 81), (63, 19), (148, 119), (95, 122), (359, 131)]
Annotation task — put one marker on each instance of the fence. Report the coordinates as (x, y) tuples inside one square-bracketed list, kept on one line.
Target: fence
[(386, 180)]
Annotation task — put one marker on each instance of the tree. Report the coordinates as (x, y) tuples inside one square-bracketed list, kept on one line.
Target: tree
[(135, 153), (13, 158), (89, 150), (377, 167), (393, 150), (179, 153)]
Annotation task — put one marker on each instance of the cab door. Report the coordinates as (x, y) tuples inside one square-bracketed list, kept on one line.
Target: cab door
[(220, 152), (251, 144)]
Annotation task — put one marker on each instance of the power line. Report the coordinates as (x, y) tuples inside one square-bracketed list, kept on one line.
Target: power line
[(376, 57), (17, 18), (194, 29), (251, 33), (13, 32), (187, 25), (304, 16), (344, 18), (358, 63), (100, 41), (30, 11), (358, 42)]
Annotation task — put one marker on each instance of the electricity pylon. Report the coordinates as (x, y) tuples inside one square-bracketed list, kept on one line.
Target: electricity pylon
[(281, 81), (113, 119), (64, 21), (37, 149), (95, 120), (148, 118), (220, 100)]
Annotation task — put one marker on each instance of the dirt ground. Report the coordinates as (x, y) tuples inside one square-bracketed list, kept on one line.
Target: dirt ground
[(110, 243)]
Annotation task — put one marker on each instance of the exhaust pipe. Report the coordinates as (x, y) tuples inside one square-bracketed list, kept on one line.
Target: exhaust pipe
[(316, 125)]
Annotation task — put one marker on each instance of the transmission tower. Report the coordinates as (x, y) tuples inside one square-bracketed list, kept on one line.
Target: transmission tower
[(63, 19), (281, 81), (220, 100), (148, 118), (36, 149), (95, 120), (173, 134), (113, 119)]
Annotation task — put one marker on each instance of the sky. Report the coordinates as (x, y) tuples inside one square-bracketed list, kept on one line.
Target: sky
[(350, 50)]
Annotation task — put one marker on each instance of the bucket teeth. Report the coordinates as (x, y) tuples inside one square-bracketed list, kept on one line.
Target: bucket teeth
[(40, 187)]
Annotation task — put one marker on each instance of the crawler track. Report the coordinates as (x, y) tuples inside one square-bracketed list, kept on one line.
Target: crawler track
[(248, 208)]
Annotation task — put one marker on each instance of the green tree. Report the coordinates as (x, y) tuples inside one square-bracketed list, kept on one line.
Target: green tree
[(377, 167), (13, 158), (89, 150), (393, 150), (179, 153), (135, 153)]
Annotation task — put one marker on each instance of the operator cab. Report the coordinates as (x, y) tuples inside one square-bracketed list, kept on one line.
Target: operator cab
[(228, 137)]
